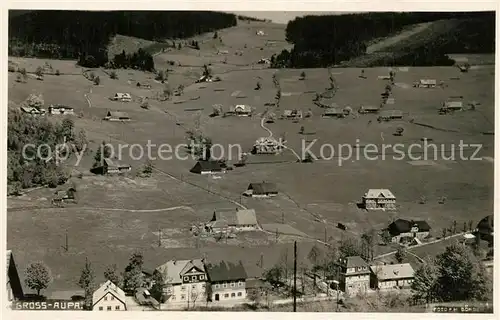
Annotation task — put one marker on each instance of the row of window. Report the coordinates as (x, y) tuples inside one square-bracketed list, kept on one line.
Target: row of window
[(194, 278), (109, 308), (183, 288), (232, 285), (106, 298), (194, 295), (233, 295)]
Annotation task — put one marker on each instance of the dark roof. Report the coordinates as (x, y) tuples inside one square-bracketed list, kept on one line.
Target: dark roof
[(263, 187), (206, 165), (356, 261), (402, 226), (256, 284), (13, 276), (225, 271)]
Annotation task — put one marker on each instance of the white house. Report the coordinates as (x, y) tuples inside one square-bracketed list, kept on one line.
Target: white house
[(124, 97), (241, 110), (379, 199), (426, 83), (227, 281), (185, 282), (57, 109), (239, 219), (392, 276), (109, 297), (355, 276)]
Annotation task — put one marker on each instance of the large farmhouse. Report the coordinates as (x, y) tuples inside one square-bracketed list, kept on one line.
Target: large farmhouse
[(425, 83), (404, 231), (261, 190), (117, 116), (355, 276), (239, 220), (207, 167), (392, 276), (267, 146), (379, 199), (57, 109), (227, 281)]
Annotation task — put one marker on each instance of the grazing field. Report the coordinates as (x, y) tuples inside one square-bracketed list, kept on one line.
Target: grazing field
[(117, 215)]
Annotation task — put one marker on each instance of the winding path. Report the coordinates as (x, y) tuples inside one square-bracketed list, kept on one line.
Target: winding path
[(86, 95)]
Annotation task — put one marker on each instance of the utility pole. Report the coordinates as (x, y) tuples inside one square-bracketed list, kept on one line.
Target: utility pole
[(282, 218), (276, 235), (67, 241), (295, 276), (325, 234), (159, 237)]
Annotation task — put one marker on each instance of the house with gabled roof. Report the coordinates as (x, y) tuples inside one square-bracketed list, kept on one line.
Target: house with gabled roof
[(184, 280), (267, 145), (333, 113), (123, 97), (207, 167), (239, 220), (68, 195), (387, 115), (14, 286), (261, 190), (116, 116), (354, 276), (292, 114), (368, 109), (227, 281), (59, 109), (392, 276), (450, 106), (113, 167), (425, 83), (109, 297), (401, 230), (240, 110), (379, 199)]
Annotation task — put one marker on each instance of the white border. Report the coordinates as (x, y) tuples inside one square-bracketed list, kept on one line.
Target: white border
[(268, 5)]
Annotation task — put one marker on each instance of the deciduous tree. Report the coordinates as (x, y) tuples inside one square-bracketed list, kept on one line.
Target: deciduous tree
[(37, 277)]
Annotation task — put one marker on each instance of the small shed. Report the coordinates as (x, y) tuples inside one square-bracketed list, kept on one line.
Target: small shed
[(240, 110), (207, 167), (68, 195), (426, 83), (261, 190), (292, 114), (58, 109), (333, 113), (117, 116), (450, 106), (123, 97), (369, 109), (110, 167)]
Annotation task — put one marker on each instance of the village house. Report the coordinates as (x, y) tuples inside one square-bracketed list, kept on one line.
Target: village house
[(238, 220), (117, 116), (354, 276), (185, 282), (451, 106), (261, 190), (468, 239), (14, 287), (240, 110), (402, 230), (110, 167), (227, 281), (260, 33), (57, 109), (123, 97), (391, 276), (32, 110), (264, 61), (61, 196), (292, 114), (333, 113), (368, 109), (267, 145), (425, 83), (144, 298), (205, 78), (109, 297), (387, 115), (207, 167), (379, 199)]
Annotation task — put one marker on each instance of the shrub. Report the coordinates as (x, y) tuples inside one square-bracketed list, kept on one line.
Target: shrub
[(97, 81), (113, 75), (57, 72)]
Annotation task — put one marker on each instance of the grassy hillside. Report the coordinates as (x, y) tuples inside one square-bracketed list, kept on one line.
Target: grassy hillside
[(416, 39)]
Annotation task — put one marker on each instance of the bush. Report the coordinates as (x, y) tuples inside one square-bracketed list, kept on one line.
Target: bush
[(113, 75), (57, 72), (12, 69), (97, 81)]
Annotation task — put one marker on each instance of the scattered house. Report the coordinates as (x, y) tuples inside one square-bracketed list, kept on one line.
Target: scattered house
[(123, 97), (392, 276), (144, 298), (222, 52), (451, 106), (240, 110), (109, 167), (401, 229), (387, 115), (260, 33), (109, 297), (468, 239), (58, 109), (292, 114), (144, 85), (354, 276), (14, 287), (379, 199), (384, 77), (68, 195), (425, 83), (205, 78), (185, 281), (239, 220), (32, 110), (117, 116), (333, 113), (369, 109), (267, 145), (207, 167), (227, 281), (485, 229), (261, 190), (258, 286), (264, 61)]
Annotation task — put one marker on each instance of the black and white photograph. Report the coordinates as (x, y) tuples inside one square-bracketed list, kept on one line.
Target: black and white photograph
[(256, 161)]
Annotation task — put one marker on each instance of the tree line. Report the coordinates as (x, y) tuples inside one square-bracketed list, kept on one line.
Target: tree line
[(343, 37), (84, 35)]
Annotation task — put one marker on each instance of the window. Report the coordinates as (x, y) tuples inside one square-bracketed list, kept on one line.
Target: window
[(226, 295), (106, 298), (239, 294), (183, 297), (233, 295), (183, 288), (109, 308), (203, 285), (240, 284), (224, 285), (186, 278), (172, 298), (117, 308), (101, 308), (193, 278), (193, 286), (112, 298), (217, 286), (202, 277), (232, 284)]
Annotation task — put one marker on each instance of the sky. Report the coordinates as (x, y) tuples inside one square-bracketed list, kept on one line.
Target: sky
[(280, 16)]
